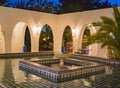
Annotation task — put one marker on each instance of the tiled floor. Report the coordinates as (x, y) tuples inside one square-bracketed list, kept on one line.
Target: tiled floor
[(105, 80)]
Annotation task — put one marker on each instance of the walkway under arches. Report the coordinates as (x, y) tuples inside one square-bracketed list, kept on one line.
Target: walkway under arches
[(18, 37), (92, 48)]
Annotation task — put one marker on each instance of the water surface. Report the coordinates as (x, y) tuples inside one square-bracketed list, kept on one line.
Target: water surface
[(12, 77)]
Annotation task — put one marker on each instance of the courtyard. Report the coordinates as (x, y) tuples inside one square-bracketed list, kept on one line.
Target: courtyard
[(41, 50), (11, 76)]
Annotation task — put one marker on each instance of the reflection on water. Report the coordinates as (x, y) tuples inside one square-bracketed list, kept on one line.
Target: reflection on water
[(62, 66), (86, 82), (19, 75), (10, 75), (2, 68), (109, 70)]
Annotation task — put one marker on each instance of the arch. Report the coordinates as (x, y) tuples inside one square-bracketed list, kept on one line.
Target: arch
[(2, 40), (18, 37), (92, 48), (67, 40), (46, 41)]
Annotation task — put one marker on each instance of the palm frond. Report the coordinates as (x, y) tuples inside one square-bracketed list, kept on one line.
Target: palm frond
[(103, 35), (97, 23), (96, 38), (116, 16), (107, 20)]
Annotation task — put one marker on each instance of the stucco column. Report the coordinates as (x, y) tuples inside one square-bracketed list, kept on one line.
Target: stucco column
[(75, 44), (57, 34), (8, 35), (57, 45), (102, 51), (35, 43), (76, 40)]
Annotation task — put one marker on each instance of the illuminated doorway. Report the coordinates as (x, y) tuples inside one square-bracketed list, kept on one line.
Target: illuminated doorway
[(46, 39), (85, 49), (67, 41)]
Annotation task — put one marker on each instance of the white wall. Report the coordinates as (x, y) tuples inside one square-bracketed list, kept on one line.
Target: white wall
[(9, 17)]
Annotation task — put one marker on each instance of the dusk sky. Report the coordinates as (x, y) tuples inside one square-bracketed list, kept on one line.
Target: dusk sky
[(114, 1), (56, 1)]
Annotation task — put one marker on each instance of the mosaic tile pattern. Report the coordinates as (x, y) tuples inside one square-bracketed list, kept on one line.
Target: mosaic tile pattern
[(109, 79)]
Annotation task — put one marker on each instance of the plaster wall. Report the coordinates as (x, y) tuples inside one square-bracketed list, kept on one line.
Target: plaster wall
[(10, 18)]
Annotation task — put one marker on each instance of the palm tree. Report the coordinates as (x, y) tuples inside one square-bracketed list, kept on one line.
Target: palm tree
[(108, 34)]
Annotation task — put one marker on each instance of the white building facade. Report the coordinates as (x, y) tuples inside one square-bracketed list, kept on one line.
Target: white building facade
[(14, 21)]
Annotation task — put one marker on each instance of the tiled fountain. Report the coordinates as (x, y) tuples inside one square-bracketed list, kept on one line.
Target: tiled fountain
[(59, 70)]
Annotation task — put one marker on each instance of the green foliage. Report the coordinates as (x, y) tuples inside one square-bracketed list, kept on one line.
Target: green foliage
[(67, 35), (87, 32), (108, 34), (48, 33), (46, 38)]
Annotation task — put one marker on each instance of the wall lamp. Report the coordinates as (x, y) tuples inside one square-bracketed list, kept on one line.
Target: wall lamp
[(37, 29), (74, 31)]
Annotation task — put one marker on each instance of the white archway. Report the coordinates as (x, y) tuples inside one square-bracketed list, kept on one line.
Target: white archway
[(18, 37), (2, 40), (94, 47)]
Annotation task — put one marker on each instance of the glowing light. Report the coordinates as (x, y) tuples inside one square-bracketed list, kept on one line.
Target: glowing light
[(74, 32), (44, 39), (36, 29)]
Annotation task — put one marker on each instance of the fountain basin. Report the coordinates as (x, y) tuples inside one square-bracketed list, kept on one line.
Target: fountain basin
[(59, 70)]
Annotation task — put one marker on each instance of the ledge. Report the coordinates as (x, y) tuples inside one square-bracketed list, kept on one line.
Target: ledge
[(27, 54)]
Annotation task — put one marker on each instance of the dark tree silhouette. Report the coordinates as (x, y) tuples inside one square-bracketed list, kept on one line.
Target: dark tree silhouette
[(65, 6), (82, 5), (36, 5), (2, 2)]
